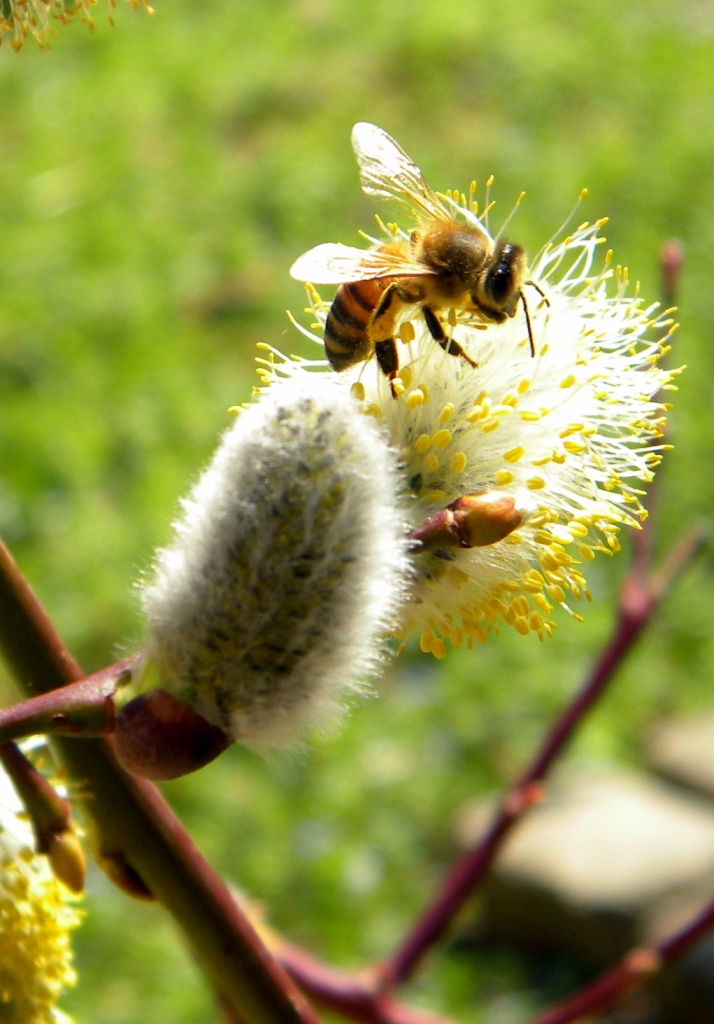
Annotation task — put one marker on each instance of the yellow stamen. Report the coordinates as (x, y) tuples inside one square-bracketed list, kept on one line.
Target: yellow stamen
[(490, 425), (441, 438), (447, 412), (407, 333), (514, 454), (415, 398)]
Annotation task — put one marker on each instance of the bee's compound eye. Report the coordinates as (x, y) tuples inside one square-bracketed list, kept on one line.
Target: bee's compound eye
[(499, 282)]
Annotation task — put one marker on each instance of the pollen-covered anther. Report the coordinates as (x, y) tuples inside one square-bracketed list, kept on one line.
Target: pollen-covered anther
[(406, 332), (415, 398), (474, 520), (441, 438)]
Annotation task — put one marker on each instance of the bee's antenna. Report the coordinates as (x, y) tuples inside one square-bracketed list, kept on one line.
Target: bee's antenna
[(540, 291), (527, 312), (529, 325), (506, 222)]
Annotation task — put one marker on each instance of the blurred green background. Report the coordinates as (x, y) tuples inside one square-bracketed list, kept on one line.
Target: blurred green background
[(157, 181)]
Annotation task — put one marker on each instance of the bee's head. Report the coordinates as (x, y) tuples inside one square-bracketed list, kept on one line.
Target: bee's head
[(501, 279)]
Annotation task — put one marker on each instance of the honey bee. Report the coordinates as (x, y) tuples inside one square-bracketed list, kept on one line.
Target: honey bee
[(447, 263)]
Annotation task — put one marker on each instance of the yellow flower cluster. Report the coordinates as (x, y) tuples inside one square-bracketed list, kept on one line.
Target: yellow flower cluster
[(36, 917), (23, 19)]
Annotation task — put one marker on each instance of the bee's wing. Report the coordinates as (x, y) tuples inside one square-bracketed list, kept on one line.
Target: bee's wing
[(334, 263), (387, 172)]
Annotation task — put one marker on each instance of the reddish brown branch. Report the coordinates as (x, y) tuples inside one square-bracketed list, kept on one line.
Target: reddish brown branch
[(352, 995), (629, 973), (84, 708), (639, 597), (36, 656)]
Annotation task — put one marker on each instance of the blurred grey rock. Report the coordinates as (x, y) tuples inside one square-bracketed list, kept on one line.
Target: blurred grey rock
[(683, 750), (605, 864)]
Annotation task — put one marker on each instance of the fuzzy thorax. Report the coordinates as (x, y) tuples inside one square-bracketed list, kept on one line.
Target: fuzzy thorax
[(286, 570)]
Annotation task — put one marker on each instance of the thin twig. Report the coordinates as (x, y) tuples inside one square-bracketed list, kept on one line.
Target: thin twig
[(352, 995), (630, 972), (638, 600), (80, 709)]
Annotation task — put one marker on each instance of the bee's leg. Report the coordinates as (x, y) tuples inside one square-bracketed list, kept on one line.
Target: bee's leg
[(386, 312), (386, 353), (394, 298), (381, 332), (436, 330)]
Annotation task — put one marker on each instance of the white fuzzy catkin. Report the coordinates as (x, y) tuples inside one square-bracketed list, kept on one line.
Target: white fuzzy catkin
[(287, 567)]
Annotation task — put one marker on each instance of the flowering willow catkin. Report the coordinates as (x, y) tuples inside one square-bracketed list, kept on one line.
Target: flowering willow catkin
[(36, 917), (287, 568), (39, 19), (523, 456)]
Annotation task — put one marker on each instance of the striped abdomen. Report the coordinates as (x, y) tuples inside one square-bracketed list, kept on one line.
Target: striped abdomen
[(347, 338)]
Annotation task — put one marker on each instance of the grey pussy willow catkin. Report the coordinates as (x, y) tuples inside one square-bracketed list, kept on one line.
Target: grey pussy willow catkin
[(287, 567)]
